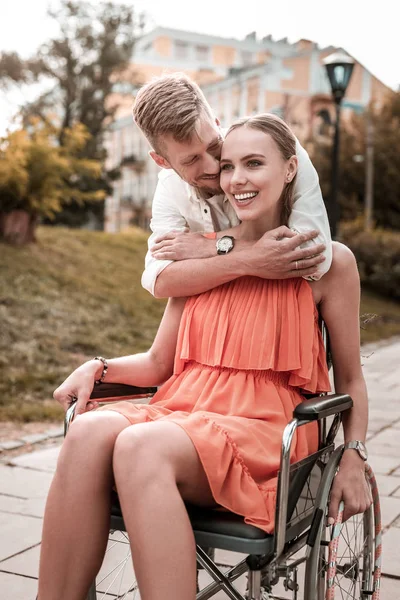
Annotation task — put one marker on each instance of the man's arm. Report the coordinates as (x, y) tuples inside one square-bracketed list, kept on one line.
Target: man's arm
[(166, 217), (268, 258), (276, 255), (309, 210)]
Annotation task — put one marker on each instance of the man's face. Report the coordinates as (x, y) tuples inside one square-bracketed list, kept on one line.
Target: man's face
[(196, 161)]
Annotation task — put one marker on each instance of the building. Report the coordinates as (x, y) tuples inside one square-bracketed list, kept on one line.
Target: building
[(238, 77)]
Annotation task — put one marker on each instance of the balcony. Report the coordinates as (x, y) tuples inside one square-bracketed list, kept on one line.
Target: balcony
[(134, 162)]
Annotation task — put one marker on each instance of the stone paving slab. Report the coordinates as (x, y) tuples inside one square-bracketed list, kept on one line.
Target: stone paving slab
[(18, 533), (390, 509), (390, 588), (11, 445), (24, 483), (34, 438), (380, 448), (54, 433), (14, 587), (384, 465), (42, 460), (387, 485), (26, 563), (32, 507), (396, 472), (390, 554)]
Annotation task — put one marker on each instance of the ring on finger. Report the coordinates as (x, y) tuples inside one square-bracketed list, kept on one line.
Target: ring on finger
[(297, 265)]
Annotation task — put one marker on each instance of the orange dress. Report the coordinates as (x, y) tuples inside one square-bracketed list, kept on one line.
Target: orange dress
[(245, 352)]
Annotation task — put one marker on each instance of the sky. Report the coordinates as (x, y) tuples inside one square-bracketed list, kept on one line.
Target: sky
[(367, 30)]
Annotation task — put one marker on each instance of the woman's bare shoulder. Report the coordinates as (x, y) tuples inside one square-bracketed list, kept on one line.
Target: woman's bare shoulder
[(342, 257), (343, 272)]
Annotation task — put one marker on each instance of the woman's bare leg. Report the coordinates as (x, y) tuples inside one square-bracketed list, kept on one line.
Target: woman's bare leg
[(155, 466), (77, 515)]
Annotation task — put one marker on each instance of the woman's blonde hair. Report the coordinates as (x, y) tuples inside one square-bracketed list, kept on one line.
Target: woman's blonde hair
[(170, 105), (286, 142)]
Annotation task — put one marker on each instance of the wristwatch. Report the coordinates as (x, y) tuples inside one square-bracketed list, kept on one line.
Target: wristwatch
[(225, 244), (359, 447)]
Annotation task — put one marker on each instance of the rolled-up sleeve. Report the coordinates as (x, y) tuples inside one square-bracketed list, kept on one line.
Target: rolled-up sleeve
[(309, 210), (166, 216)]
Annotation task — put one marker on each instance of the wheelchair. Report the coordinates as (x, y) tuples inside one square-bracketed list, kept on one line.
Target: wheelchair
[(303, 559)]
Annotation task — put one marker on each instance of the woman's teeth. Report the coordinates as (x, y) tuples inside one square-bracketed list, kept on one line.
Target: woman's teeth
[(244, 197)]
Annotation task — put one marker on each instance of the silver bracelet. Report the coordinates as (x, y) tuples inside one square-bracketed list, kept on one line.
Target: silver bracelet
[(105, 369)]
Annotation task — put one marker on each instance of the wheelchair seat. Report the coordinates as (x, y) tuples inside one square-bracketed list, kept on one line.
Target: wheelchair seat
[(214, 528)]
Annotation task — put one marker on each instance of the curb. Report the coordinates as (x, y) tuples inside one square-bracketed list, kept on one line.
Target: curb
[(30, 440)]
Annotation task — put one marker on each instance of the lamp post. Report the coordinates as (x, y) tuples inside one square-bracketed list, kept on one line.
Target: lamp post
[(339, 67)]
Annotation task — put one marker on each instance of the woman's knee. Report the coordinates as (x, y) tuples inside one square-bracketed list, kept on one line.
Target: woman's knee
[(139, 451), (95, 432)]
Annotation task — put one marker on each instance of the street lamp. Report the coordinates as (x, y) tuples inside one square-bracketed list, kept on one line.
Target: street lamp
[(339, 67)]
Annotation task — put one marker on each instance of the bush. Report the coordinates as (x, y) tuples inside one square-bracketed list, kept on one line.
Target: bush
[(378, 257)]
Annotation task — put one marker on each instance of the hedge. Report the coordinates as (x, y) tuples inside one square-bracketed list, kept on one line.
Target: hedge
[(378, 257)]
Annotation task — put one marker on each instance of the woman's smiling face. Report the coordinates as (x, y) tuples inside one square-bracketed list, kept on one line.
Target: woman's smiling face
[(254, 172)]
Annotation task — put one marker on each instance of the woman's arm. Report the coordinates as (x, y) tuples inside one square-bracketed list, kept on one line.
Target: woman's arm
[(340, 309), (145, 369)]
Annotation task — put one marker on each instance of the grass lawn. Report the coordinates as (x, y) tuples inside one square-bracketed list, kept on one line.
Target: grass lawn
[(75, 294)]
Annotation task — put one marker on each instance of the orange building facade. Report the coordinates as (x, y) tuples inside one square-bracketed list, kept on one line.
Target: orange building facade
[(238, 77)]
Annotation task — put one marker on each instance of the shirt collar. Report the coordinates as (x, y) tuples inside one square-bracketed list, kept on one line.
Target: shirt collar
[(195, 197)]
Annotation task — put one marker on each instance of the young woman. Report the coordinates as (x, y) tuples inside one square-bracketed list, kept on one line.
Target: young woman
[(233, 363)]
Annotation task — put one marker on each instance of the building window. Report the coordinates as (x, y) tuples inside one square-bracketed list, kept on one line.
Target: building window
[(247, 58), (181, 49), (202, 53)]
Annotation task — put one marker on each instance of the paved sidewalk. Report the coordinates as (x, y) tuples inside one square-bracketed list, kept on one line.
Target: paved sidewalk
[(25, 479)]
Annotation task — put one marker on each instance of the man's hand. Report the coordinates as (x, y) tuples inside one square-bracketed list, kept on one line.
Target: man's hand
[(277, 255), (350, 485), (182, 245)]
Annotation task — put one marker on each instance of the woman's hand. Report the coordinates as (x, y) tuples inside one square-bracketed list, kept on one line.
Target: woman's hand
[(78, 386), (351, 486)]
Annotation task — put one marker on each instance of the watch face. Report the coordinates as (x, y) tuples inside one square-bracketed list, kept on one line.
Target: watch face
[(225, 244)]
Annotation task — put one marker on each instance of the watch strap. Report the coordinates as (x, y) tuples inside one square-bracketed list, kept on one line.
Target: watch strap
[(359, 447)]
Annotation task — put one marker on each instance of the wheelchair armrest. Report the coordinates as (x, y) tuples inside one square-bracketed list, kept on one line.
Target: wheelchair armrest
[(119, 391), (109, 392), (322, 406)]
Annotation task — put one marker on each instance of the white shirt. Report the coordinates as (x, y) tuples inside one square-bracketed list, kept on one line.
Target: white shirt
[(176, 205)]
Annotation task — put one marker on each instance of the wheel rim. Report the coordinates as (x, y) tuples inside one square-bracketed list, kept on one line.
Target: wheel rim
[(356, 565), (352, 571)]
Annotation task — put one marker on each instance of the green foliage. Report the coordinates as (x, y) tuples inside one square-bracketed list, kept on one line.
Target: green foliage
[(67, 298), (386, 143), (378, 257), (75, 295), (39, 176), (89, 54)]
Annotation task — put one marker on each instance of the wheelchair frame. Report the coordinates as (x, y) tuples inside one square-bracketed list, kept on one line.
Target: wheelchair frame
[(267, 554)]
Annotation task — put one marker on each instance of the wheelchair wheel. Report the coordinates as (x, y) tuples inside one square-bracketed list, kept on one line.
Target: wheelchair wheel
[(340, 562), (116, 578)]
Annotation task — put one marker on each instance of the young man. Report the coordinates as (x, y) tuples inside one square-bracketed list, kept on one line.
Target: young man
[(186, 140)]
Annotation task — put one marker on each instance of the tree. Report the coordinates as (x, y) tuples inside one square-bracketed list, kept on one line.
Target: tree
[(38, 176), (386, 141), (92, 51)]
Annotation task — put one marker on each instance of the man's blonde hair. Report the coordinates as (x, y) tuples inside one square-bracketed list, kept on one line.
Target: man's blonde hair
[(170, 105)]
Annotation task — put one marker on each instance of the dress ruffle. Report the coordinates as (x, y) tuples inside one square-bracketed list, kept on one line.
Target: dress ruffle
[(280, 340), (246, 351)]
